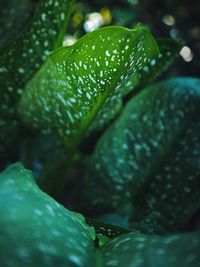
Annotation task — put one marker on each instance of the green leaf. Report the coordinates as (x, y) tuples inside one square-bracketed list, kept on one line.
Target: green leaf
[(12, 19), (169, 50), (107, 113), (37, 231), (67, 93), (136, 250), (154, 223), (25, 55), (150, 156)]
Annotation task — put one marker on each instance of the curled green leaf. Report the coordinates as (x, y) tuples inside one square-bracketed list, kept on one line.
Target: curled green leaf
[(169, 50), (68, 92)]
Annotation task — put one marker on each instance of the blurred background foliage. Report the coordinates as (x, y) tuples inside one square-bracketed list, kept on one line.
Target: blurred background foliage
[(170, 18), (177, 19)]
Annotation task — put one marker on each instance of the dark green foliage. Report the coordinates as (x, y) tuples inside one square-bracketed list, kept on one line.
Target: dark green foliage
[(154, 223), (153, 152), (146, 250), (13, 18), (37, 231), (100, 138), (24, 56)]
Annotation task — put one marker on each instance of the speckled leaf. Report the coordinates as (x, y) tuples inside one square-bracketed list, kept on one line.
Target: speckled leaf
[(37, 231), (168, 51), (12, 19), (108, 112), (25, 55), (154, 223), (136, 250), (77, 80), (151, 154)]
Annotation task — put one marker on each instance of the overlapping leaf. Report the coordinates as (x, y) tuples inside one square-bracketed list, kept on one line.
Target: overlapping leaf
[(150, 156), (154, 223), (25, 55), (36, 231), (132, 250), (168, 51), (68, 92)]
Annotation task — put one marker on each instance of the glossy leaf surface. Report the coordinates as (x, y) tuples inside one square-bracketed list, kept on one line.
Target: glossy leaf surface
[(68, 92)]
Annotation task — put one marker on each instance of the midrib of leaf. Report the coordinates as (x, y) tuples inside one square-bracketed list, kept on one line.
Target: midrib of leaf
[(101, 101), (107, 92), (66, 56), (100, 262), (48, 185)]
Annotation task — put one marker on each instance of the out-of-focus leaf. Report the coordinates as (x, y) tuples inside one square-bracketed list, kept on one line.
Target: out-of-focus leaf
[(150, 156), (20, 60), (37, 231), (67, 93), (13, 17), (24, 56), (154, 224), (137, 250)]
